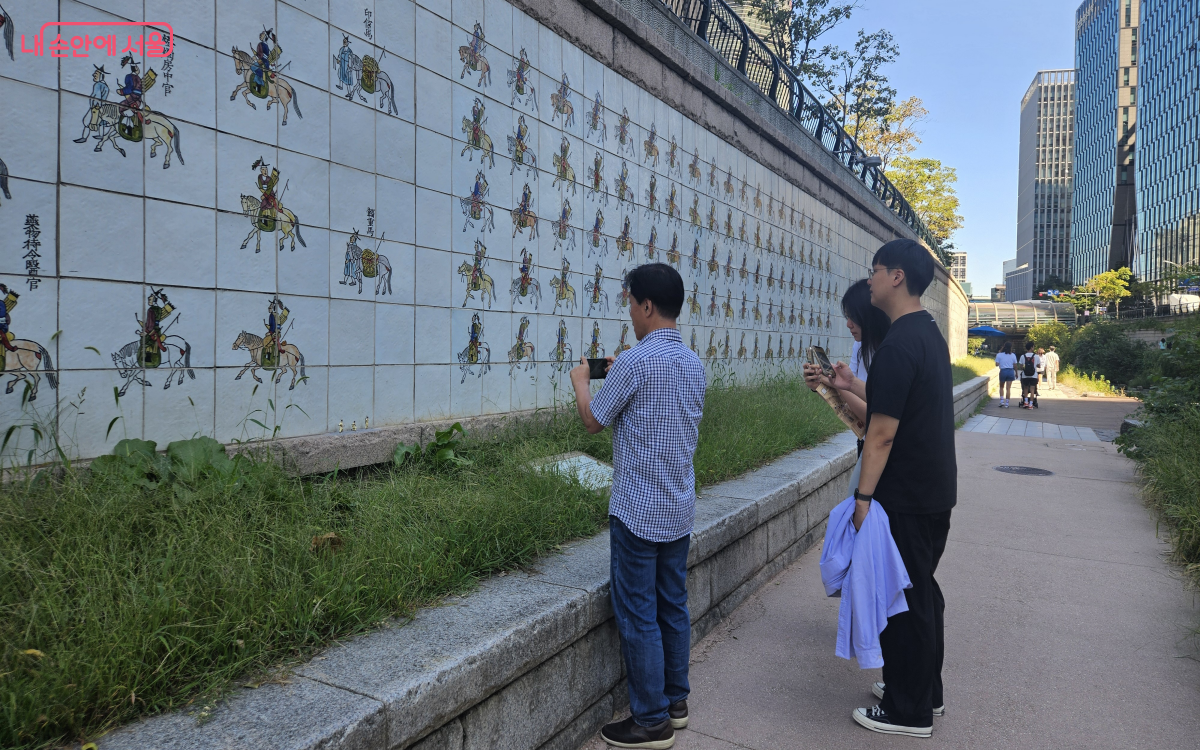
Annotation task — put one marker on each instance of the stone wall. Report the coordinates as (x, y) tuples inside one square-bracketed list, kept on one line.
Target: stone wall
[(426, 216)]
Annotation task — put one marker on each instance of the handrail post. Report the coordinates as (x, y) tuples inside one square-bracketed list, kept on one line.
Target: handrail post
[(774, 78), (741, 63), (705, 16)]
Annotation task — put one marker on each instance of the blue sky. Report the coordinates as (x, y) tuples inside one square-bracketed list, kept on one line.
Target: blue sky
[(971, 62)]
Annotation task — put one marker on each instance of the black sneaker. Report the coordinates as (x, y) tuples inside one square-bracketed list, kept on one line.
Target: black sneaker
[(679, 714), (877, 689), (876, 719), (629, 733)]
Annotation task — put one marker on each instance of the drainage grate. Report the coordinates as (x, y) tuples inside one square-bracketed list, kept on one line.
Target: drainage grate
[(1027, 471)]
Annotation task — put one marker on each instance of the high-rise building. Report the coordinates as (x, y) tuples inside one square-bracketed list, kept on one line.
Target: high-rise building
[(1044, 180), (746, 11), (1168, 161), (1102, 206), (998, 293), (1015, 277), (958, 265)]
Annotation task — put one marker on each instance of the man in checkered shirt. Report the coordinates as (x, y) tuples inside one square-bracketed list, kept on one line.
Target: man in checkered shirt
[(652, 397)]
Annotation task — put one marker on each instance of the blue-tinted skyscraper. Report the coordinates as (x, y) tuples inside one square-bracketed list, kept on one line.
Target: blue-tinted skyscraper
[(1102, 206), (1168, 162)]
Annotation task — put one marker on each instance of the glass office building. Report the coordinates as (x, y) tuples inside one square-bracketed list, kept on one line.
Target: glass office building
[(1168, 162), (1102, 204), (1044, 178)]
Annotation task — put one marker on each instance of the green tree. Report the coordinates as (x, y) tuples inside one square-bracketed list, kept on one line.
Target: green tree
[(1047, 335), (1111, 287), (793, 28), (892, 136), (929, 188), (854, 79)]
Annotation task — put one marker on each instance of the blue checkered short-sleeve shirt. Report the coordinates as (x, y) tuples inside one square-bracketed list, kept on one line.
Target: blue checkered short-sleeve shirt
[(653, 398)]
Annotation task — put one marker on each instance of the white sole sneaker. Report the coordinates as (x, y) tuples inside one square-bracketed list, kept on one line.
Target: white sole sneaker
[(877, 691), (860, 716), (679, 723)]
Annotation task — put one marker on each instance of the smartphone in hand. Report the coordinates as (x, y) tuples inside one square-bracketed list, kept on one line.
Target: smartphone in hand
[(598, 367)]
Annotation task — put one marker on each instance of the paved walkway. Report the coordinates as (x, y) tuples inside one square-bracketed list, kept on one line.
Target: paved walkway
[(1065, 628), (1062, 406)]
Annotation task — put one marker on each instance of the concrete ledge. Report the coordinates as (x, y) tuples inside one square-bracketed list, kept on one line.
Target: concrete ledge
[(968, 395), (529, 660)]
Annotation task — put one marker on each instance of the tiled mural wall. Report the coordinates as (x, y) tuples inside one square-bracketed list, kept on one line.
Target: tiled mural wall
[(319, 214)]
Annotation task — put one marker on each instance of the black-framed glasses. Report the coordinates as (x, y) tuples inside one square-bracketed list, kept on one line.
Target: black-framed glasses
[(871, 270)]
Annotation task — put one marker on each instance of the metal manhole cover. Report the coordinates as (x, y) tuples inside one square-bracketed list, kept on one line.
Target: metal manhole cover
[(1027, 471)]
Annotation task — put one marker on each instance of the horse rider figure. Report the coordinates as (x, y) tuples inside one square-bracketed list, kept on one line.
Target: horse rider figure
[(7, 303), (526, 201), (265, 56), (268, 207), (477, 120), (523, 68), (478, 45), (521, 145), (477, 265), (564, 88), (131, 106), (353, 268), (345, 74), (526, 264), (273, 344), (91, 119), (150, 330), (475, 332)]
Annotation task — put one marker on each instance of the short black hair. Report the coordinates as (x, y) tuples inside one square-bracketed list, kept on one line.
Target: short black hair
[(911, 257), (1028, 346), (659, 283)]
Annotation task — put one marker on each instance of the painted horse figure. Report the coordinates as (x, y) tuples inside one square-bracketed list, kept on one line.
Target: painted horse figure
[(285, 222), (477, 282), (369, 78), (24, 361), (156, 129), (482, 142), (475, 62), (522, 351), (177, 355), (289, 357), (277, 88)]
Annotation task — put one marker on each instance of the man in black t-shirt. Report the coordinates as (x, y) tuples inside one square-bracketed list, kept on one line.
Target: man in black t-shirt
[(909, 468)]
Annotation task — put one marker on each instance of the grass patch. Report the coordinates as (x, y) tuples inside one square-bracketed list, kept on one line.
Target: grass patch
[(1167, 450), (1073, 377), (119, 600), (970, 367)]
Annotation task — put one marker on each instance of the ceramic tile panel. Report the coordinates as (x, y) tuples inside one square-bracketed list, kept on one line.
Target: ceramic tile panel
[(389, 211)]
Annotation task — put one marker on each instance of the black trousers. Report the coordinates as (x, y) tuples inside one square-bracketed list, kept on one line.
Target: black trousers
[(913, 643)]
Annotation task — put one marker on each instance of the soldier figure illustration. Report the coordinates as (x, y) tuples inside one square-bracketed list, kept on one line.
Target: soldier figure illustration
[(8, 300), (266, 53), (153, 343), (273, 342), (345, 71)]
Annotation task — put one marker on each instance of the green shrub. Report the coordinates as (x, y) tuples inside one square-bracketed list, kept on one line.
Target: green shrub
[(1047, 335), (1106, 349)]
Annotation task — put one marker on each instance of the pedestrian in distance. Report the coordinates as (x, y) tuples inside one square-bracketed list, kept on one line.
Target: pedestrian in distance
[(652, 397), (1041, 368), (1052, 368), (1162, 345), (868, 325), (1007, 362), (909, 468), (1029, 364)]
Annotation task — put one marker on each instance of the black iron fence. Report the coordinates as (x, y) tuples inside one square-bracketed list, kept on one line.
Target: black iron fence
[(716, 23)]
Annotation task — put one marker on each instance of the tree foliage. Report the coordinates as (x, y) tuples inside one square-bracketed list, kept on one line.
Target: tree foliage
[(854, 79), (893, 135), (793, 28), (1111, 287), (1046, 335), (928, 186)]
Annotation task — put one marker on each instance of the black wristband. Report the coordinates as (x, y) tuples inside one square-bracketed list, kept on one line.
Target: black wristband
[(859, 496)]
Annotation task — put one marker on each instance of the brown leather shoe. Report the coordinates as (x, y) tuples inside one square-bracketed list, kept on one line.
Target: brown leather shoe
[(629, 733), (679, 714)]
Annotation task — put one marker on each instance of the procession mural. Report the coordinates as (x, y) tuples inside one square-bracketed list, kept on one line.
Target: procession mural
[(757, 254)]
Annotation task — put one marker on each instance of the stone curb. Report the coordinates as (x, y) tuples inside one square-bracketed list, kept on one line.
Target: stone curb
[(529, 660), (968, 395)]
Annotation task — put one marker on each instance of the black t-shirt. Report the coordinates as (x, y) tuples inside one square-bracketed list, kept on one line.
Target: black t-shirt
[(910, 380)]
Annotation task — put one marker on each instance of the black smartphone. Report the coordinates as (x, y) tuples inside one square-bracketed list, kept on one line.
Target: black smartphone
[(598, 367)]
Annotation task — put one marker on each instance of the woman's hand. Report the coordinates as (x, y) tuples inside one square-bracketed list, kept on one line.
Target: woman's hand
[(813, 377)]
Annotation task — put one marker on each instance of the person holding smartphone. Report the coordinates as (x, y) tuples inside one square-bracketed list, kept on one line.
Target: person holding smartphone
[(868, 325), (653, 398), (909, 467)]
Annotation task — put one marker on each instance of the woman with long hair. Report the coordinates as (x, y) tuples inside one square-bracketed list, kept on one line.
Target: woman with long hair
[(1007, 362), (868, 325)]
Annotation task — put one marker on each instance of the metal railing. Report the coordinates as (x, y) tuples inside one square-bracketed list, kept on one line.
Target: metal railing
[(718, 25)]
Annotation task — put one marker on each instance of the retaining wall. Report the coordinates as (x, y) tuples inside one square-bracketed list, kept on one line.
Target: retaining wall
[(531, 659)]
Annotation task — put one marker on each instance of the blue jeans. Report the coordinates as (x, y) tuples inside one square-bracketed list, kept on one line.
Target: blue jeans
[(649, 597)]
